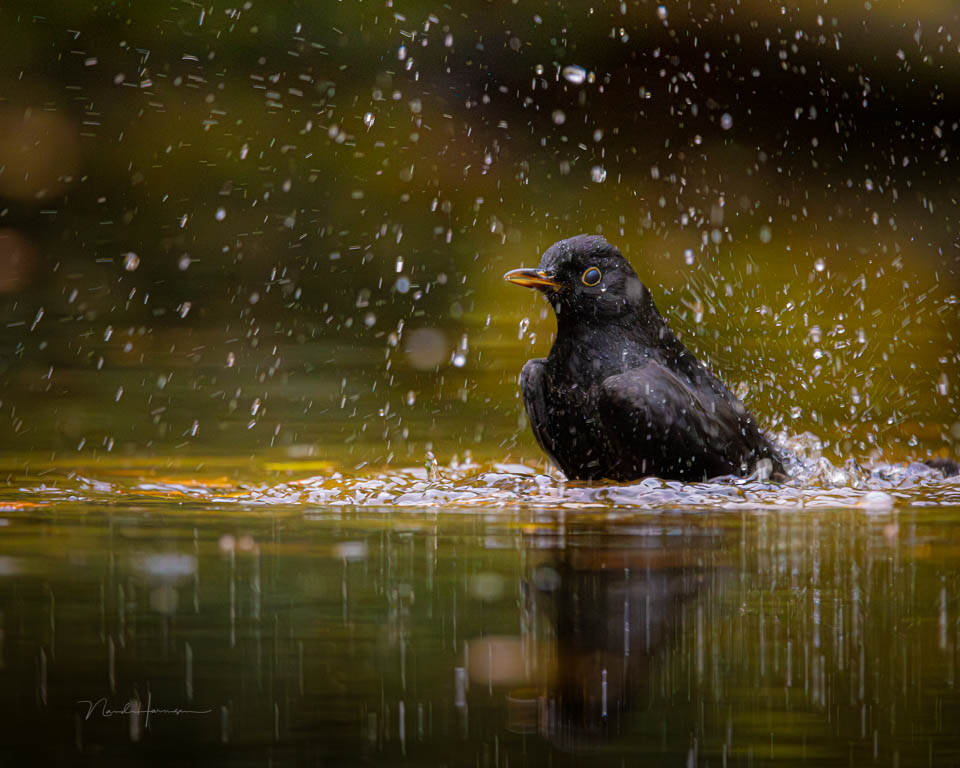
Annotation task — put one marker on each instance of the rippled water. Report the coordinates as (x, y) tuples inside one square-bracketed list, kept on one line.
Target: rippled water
[(339, 619), (477, 613)]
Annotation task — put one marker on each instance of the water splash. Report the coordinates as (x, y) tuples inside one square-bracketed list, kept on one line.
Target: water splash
[(815, 483)]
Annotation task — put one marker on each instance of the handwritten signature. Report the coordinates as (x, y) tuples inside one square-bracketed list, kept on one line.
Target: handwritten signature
[(134, 707)]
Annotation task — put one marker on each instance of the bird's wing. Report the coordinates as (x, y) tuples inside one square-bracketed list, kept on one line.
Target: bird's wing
[(533, 389), (660, 424)]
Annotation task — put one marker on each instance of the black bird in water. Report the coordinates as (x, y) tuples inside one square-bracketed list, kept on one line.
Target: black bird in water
[(619, 396)]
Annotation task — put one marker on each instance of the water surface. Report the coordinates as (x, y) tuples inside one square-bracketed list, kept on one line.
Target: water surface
[(478, 615)]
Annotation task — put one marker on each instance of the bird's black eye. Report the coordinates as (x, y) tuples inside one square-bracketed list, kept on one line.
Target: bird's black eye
[(591, 276)]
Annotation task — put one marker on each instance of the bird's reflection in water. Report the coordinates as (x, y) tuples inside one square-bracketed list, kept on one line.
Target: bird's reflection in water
[(600, 619)]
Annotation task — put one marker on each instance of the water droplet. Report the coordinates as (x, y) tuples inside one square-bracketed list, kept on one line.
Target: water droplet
[(558, 117), (433, 468), (403, 284), (131, 261), (255, 406), (524, 325), (369, 119), (726, 121), (221, 214), (460, 356), (231, 359), (766, 234), (411, 397), (688, 256), (662, 12), (399, 264), (819, 265), (574, 74), (598, 173)]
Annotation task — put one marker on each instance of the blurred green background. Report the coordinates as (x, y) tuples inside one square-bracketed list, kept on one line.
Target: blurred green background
[(280, 228)]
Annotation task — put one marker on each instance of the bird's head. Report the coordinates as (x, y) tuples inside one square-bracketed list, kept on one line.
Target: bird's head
[(587, 280)]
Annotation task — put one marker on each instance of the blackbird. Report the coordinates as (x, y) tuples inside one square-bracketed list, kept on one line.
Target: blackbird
[(619, 396)]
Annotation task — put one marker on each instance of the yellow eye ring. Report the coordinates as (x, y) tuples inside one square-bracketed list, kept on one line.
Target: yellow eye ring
[(591, 277)]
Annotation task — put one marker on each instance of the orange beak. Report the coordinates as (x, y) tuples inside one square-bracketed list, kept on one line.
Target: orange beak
[(531, 278)]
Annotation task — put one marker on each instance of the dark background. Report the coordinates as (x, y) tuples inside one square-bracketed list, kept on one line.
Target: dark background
[(221, 227)]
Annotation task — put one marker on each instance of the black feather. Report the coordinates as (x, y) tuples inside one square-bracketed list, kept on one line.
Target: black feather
[(619, 396)]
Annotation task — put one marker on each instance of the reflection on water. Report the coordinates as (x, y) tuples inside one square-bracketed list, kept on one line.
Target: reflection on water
[(615, 611), (509, 636)]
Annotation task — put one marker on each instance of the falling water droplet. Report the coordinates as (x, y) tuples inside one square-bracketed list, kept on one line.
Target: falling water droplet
[(574, 74), (460, 356), (524, 325), (433, 469)]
